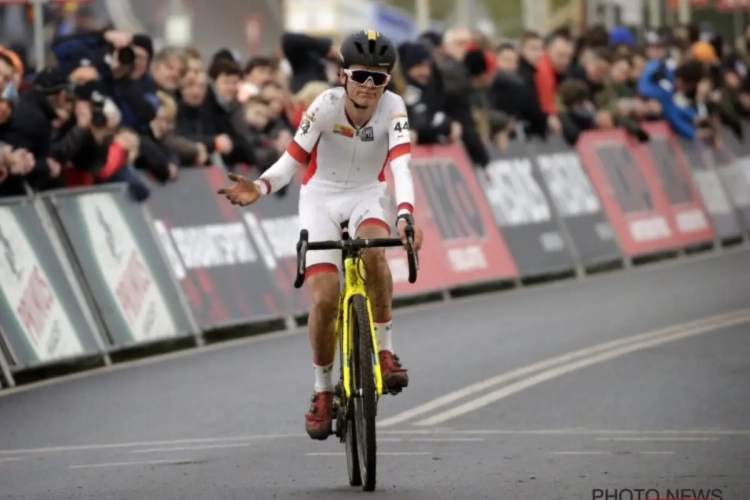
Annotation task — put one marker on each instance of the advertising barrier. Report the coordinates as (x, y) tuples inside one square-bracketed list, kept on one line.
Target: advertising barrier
[(273, 223), (513, 189), (86, 272), (212, 252), (581, 212), (43, 316), (461, 243), (724, 219), (732, 162), (124, 268), (666, 166), (638, 213)]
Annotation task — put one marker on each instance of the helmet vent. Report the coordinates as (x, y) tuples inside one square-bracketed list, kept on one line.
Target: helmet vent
[(383, 50), (360, 48)]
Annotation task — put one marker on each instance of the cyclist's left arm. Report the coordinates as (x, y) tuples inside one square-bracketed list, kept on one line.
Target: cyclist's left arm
[(399, 156)]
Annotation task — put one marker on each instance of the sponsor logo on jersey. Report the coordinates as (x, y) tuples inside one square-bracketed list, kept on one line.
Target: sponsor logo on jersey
[(367, 134), (343, 130)]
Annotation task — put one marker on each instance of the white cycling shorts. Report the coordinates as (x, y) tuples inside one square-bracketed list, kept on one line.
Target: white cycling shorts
[(323, 209)]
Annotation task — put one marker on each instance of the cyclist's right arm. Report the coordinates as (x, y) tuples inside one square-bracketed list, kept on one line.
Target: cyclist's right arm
[(298, 152)]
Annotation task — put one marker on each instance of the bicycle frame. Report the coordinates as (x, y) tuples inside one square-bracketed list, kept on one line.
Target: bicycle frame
[(354, 285)]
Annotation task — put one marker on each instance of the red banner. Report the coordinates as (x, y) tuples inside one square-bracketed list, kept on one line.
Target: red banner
[(638, 213), (670, 177), (729, 5), (462, 244), (695, 4)]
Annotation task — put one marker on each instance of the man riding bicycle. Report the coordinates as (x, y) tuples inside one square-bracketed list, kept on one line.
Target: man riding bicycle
[(347, 137)]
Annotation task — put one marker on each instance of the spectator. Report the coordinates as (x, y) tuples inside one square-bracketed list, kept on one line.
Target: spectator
[(454, 83), (257, 115), (657, 46), (193, 63), (507, 94), (531, 51), (27, 123), (155, 156), (594, 69), (221, 112), (194, 123), (279, 123), (309, 58), (579, 113), (425, 104), (550, 71), (258, 72), (681, 95)]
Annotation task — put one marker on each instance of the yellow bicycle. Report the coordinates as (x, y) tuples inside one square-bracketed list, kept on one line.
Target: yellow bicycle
[(361, 384)]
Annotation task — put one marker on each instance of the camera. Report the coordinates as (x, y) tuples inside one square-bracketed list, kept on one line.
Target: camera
[(126, 56), (98, 118)]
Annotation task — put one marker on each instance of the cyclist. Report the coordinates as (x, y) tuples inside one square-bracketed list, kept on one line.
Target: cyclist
[(347, 137)]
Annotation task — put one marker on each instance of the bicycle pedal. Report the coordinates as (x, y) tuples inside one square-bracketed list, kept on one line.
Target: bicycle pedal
[(393, 391)]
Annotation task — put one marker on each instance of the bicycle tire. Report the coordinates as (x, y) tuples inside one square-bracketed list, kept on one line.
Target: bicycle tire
[(365, 403), (350, 432), (352, 457)]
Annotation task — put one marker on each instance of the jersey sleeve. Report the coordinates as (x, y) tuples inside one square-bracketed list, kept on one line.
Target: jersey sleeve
[(298, 152), (309, 130), (399, 156)]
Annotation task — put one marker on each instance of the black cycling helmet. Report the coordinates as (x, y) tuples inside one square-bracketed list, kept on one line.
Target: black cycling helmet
[(368, 48)]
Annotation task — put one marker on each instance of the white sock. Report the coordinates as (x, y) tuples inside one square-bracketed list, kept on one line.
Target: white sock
[(323, 378), (383, 334)]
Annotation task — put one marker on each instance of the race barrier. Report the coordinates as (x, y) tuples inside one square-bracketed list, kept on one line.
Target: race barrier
[(87, 273)]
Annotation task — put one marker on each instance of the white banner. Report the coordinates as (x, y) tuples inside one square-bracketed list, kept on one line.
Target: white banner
[(32, 299), (124, 269)]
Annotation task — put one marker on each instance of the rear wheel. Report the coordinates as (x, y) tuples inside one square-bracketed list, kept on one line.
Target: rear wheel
[(365, 394)]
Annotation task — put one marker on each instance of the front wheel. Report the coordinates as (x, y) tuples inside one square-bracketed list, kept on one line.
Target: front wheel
[(364, 392)]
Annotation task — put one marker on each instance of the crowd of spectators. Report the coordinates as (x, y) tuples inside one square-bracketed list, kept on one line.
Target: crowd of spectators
[(563, 85), (112, 109)]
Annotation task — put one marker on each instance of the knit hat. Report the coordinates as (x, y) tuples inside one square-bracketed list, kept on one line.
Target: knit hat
[(621, 36), (703, 52), (414, 54), (51, 81), (144, 41)]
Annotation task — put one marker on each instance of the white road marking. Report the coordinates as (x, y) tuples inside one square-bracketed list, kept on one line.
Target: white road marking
[(187, 448), (398, 312), (11, 459), (445, 440), (580, 453), (577, 453), (737, 318), (382, 454), (127, 464), (570, 432), (570, 357), (675, 438), (86, 447), (409, 432)]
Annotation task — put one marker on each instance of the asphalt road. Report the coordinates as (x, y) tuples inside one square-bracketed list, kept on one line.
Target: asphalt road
[(667, 411)]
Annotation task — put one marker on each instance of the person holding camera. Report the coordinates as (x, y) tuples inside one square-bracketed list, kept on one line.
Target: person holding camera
[(122, 61), (92, 145)]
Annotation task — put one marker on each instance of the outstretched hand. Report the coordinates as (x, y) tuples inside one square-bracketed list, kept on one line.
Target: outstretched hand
[(244, 192)]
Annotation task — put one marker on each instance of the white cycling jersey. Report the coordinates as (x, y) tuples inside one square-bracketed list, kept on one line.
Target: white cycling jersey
[(342, 157)]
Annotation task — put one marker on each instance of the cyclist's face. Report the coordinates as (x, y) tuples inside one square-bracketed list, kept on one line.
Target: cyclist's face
[(365, 93)]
